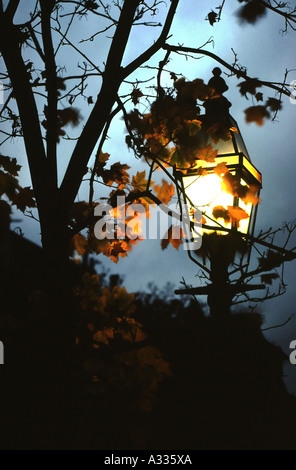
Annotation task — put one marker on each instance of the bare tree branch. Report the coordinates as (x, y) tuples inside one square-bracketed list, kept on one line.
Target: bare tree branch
[(281, 324), (218, 59), (159, 43), (112, 79), (52, 91)]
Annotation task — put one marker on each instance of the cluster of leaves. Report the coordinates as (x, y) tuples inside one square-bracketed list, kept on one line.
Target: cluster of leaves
[(176, 134), (269, 262), (10, 188), (231, 215), (119, 353), (118, 241), (232, 185), (258, 113), (173, 131)]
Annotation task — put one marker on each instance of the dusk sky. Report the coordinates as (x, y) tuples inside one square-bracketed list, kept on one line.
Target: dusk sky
[(266, 52)]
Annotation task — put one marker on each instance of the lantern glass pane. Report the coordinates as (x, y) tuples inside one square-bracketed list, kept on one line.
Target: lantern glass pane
[(223, 146), (205, 193), (247, 207)]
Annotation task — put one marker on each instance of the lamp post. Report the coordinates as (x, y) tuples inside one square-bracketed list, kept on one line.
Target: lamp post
[(226, 191)]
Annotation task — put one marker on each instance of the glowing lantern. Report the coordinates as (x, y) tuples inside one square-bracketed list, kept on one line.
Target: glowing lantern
[(226, 191)]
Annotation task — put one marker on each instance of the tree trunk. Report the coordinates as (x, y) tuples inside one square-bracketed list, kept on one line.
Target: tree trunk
[(61, 374)]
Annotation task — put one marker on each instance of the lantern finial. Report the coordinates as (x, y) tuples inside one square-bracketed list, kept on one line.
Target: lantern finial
[(217, 82), (217, 106)]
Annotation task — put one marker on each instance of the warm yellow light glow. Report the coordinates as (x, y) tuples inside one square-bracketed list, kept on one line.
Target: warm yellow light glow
[(228, 159), (244, 224), (206, 192)]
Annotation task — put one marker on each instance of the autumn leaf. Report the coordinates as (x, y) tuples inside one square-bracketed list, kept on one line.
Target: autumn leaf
[(251, 195), (90, 5), (139, 181), (173, 76), (165, 192), (157, 145), (10, 165), (174, 236), (195, 90), (271, 260), (103, 157), (100, 164), (99, 246), (8, 185), (118, 301), (131, 330), (24, 199), (212, 17), (117, 250), (256, 114), (79, 243), (194, 127), (231, 214), (274, 104), (207, 154), (251, 11), (219, 212), (237, 214), (117, 173), (268, 278), (221, 169), (104, 336), (178, 158), (249, 86), (220, 131), (69, 115), (136, 94), (259, 96)]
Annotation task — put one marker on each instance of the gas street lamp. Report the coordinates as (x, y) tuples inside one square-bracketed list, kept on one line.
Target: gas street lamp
[(225, 189)]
